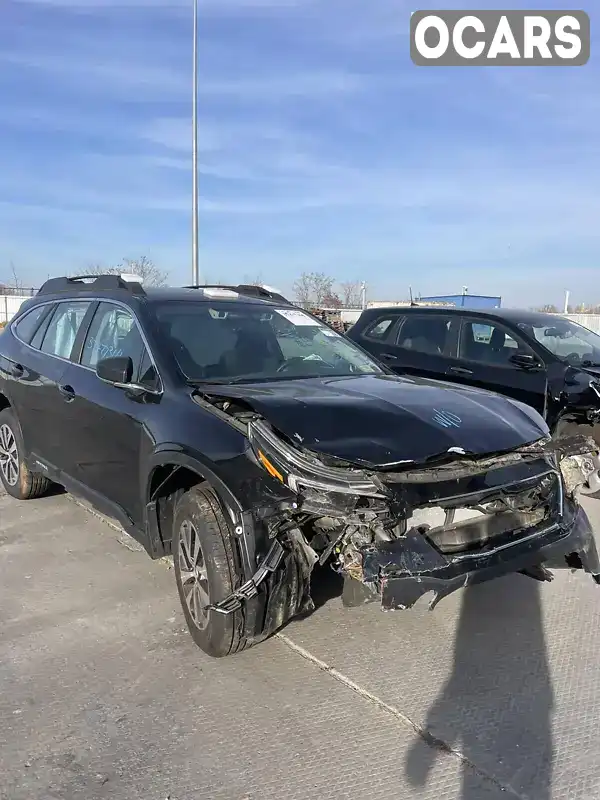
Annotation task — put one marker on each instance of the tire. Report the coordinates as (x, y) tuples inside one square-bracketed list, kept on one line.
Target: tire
[(205, 571), (16, 477)]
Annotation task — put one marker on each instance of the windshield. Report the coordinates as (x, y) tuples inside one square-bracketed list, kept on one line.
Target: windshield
[(237, 342), (569, 341)]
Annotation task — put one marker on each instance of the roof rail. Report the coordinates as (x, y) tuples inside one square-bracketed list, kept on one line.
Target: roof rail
[(248, 290), (106, 283)]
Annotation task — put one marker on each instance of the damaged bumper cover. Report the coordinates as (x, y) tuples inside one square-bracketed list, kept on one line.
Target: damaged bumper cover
[(402, 571), (431, 529), (539, 526)]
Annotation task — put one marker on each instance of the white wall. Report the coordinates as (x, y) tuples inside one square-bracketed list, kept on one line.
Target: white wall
[(591, 321), (9, 305)]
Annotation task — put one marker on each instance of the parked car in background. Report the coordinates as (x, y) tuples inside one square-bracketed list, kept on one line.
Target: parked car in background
[(545, 360), (252, 442)]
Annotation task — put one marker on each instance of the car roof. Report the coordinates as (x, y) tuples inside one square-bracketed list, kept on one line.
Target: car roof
[(162, 294), (514, 315), (123, 287)]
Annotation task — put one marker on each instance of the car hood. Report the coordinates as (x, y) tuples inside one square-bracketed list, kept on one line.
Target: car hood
[(382, 420)]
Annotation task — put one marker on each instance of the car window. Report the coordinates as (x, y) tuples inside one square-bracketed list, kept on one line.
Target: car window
[(232, 341), (567, 340), (425, 333), (380, 329), (113, 333), (489, 343), (64, 327), (148, 375), (27, 325), (38, 337)]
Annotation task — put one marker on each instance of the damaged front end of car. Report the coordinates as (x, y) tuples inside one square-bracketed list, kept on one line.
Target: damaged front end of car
[(399, 533)]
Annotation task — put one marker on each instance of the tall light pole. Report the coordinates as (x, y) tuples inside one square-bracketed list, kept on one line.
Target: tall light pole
[(195, 266)]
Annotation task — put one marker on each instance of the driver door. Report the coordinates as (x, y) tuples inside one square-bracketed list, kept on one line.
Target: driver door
[(484, 351), (110, 427)]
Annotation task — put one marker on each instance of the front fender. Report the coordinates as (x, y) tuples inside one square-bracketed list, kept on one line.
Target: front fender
[(247, 539)]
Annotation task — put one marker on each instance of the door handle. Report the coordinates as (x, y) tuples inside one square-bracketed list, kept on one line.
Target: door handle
[(17, 370), (388, 357), (460, 371), (67, 392)]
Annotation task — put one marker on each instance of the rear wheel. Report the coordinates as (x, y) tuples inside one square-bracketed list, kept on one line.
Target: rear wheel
[(18, 480), (205, 572)]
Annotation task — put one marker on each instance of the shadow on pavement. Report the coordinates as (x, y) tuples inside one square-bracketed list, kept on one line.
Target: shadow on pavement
[(54, 490), (496, 706), (325, 585)]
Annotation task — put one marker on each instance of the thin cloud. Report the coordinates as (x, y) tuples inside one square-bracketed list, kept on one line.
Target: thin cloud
[(321, 145), (222, 6), (143, 81)]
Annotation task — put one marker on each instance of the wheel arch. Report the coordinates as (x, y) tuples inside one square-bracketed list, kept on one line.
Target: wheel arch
[(171, 473)]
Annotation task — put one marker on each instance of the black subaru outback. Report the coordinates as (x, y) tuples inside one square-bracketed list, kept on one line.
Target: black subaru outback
[(252, 441)]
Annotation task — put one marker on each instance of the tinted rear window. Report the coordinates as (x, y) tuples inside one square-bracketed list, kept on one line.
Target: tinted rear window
[(381, 328), (28, 324)]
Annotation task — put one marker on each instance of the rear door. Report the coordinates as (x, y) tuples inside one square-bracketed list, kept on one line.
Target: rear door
[(378, 335), (421, 344), (483, 360), (37, 386)]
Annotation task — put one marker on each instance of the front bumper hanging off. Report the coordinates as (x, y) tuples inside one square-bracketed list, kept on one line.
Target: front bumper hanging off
[(402, 571)]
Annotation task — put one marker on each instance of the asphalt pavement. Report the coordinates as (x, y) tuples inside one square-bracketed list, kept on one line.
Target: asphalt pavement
[(103, 694)]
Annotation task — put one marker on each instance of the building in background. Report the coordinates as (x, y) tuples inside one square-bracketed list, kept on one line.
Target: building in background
[(463, 300)]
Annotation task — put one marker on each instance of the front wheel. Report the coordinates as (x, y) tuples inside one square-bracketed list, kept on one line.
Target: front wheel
[(18, 480), (205, 571)]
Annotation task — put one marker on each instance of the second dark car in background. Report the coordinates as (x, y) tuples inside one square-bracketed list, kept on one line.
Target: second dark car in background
[(547, 361)]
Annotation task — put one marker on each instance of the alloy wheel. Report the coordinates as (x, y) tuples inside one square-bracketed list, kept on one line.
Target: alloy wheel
[(9, 456), (194, 577)]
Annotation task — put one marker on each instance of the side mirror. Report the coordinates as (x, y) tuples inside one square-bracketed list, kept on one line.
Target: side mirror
[(118, 371), (525, 361)]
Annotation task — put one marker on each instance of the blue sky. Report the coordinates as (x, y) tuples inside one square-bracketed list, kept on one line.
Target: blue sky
[(322, 147)]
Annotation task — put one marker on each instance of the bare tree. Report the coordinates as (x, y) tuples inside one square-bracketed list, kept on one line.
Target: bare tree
[(332, 300), (257, 280), (14, 285), (313, 288), (351, 293), (146, 269), (549, 309), (322, 287), (142, 266), (303, 289), (16, 281)]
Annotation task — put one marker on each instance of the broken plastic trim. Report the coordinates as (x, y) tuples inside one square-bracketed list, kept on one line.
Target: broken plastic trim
[(579, 446), (575, 452), (302, 471), (250, 589)]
